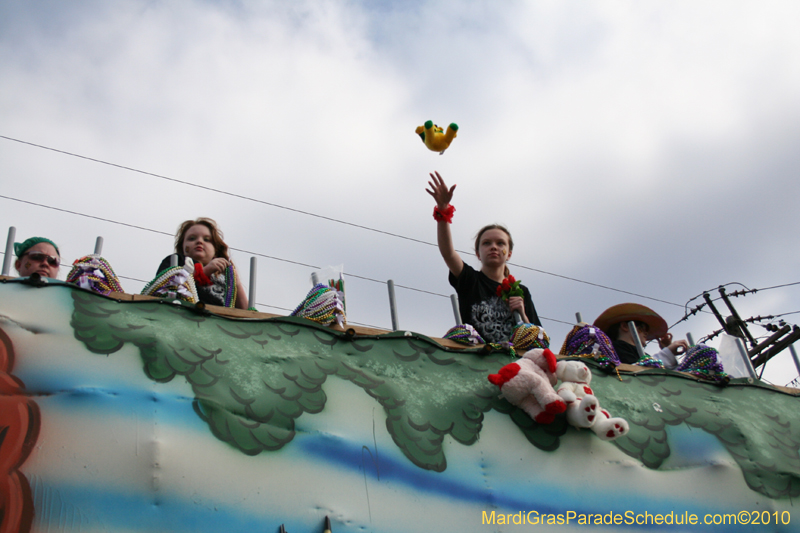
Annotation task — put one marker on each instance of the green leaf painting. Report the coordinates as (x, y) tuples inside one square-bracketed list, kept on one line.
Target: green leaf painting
[(253, 378)]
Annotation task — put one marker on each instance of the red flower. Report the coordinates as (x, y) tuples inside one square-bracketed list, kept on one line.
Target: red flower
[(509, 287)]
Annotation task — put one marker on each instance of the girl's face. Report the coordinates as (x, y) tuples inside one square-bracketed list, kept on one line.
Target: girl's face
[(493, 248), (198, 245)]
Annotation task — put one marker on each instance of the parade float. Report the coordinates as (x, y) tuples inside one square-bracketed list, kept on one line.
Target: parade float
[(135, 414)]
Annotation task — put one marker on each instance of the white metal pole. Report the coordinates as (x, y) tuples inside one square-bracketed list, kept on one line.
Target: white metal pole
[(12, 234), (636, 341), (253, 273), (746, 358), (392, 305), (456, 311)]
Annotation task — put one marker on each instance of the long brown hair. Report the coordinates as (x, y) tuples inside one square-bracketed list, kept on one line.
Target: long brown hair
[(502, 228), (220, 248)]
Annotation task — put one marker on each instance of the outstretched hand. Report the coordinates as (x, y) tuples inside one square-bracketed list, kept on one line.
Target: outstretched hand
[(439, 191)]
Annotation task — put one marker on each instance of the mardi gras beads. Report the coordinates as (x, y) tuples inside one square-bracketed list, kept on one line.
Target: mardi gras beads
[(464, 334), (525, 337), (175, 282), (650, 362), (703, 361), (93, 273), (323, 305), (590, 340)]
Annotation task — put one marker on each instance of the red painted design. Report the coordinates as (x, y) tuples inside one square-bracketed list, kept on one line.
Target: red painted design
[(587, 389), (19, 429)]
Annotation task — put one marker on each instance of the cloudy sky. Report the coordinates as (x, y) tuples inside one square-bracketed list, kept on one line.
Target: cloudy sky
[(645, 147)]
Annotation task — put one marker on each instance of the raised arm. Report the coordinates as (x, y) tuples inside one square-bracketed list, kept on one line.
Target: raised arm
[(442, 195)]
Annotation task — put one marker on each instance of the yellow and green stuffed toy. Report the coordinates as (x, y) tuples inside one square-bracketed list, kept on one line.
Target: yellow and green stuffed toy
[(435, 138)]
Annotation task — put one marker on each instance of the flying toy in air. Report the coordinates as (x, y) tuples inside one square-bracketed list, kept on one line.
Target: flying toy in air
[(435, 138)]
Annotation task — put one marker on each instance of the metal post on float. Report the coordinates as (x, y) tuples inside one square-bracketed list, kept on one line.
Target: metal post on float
[(578, 317), (794, 358), (98, 246), (392, 305), (636, 341), (456, 311), (253, 272), (746, 358), (12, 234)]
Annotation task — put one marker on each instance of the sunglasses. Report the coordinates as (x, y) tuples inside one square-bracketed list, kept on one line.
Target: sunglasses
[(41, 256)]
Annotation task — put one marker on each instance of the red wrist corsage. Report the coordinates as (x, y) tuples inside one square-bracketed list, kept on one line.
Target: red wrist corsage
[(200, 277), (444, 215)]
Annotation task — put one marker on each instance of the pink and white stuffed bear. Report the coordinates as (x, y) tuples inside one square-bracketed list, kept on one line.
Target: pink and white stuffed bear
[(528, 384), (583, 409)]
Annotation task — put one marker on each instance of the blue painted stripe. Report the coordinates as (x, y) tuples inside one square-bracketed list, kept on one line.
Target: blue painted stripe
[(338, 451), (543, 495), (70, 393)]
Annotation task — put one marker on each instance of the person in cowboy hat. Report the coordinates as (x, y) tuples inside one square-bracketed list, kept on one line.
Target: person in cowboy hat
[(649, 326)]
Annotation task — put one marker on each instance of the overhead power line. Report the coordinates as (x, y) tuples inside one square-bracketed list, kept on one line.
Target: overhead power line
[(308, 213), (231, 247), (250, 252), (86, 216), (779, 286), (219, 191), (594, 284)]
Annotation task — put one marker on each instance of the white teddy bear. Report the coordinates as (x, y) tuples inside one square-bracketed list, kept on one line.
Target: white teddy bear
[(583, 409)]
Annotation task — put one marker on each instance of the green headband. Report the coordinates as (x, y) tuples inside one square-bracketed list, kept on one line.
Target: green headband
[(21, 247)]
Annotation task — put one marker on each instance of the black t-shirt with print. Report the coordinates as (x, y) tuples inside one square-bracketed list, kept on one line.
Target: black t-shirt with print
[(483, 309)]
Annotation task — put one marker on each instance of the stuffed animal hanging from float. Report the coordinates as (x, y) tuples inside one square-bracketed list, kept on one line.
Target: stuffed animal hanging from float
[(528, 384), (583, 408), (435, 137)]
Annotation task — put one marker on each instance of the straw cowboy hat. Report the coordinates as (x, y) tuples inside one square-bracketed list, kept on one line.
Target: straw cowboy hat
[(657, 326)]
